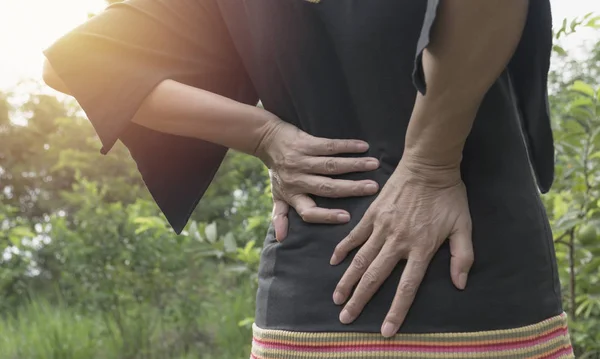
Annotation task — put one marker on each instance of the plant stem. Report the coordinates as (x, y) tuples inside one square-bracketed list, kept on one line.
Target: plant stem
[(572, 281)]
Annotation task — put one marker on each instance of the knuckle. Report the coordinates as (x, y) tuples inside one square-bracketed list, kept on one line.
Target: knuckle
[(299, 182), (286, 178), (360, 262), (331, 166), (330, 146), (420, 262), (289, 162), (326, 188), (408, 288), (425, 250), (399, 233), (370, 279), (304, 215), (353, 239)]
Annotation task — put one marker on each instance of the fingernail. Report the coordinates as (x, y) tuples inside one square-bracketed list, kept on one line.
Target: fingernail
[(372, 164), (363, 146), (345, 317), (462, 280), (371, 188), (343, 217), (334, 260), (338, 298), (389, 329)]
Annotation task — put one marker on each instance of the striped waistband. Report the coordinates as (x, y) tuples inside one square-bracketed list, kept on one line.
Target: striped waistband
[(548, 339)]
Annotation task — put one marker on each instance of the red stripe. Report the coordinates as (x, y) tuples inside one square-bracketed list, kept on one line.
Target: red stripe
[(419, 347), (559, 353)]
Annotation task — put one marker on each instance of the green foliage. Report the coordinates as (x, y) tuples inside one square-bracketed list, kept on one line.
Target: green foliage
[(573, 205), (89, 262)]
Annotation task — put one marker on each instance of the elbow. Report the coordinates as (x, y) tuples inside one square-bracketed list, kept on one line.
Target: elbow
[(52, 79)]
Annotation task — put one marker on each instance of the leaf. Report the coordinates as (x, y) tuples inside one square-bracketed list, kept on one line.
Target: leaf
[(559, 50), (583, 88), (149, 223), (594, 22), (229, 243), (211, 232), (195, 232), (567, 222), (246, 322), (21, 232)]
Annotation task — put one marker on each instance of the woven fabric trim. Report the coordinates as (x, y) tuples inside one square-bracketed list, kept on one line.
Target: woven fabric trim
[(548, 339)]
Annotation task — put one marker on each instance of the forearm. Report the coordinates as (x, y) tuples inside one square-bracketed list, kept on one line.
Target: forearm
[(471, 43), (183, 110), (188, 111)]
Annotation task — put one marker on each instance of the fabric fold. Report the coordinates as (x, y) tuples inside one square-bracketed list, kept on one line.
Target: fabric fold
[(114, 60)]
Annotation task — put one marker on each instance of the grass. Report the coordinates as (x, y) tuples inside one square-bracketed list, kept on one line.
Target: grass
[(39, 330)]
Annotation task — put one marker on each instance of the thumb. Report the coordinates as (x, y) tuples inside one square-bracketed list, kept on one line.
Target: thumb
[(461, 250), (280, 219)]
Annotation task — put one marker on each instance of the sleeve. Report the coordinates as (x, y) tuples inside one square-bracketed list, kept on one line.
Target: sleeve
[(115, 59), (418, 75)]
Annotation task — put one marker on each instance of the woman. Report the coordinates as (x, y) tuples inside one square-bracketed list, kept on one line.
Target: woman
[(399, 196)]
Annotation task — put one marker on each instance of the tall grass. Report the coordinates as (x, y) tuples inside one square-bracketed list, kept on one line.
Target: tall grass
[(39, 330)]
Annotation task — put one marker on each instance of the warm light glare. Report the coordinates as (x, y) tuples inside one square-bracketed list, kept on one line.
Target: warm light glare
[(29, 26)]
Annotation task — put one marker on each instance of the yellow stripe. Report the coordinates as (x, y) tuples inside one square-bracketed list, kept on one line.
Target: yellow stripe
[(550, 346), (559, 320), (474, 341)]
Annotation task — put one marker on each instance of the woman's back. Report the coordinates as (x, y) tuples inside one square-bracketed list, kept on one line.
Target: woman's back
[(343, 69)]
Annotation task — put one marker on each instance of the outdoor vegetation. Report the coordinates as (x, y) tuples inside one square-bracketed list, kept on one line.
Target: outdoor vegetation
[(89, 268)]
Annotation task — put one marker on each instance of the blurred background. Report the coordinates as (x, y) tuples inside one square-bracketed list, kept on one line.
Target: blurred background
[(89, 269)]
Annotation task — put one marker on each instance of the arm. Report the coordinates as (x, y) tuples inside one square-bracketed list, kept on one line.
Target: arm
[(179, 109), (471, 44), (183, 110), (425, 201)]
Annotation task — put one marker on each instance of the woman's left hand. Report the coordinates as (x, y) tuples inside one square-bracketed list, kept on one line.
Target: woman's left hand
[(417, 210)]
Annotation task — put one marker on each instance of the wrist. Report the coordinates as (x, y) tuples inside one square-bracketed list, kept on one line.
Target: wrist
[(429, 172), (265, 136)]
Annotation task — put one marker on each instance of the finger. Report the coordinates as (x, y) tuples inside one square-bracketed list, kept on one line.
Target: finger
[(327, 187), (355, 238), (381, 268), (309, 212), (325, 146), (461, 250), (339, 165), (413, 275), (358, 267), (280, 219)]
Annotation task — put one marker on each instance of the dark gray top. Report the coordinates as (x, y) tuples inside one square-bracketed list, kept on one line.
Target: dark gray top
[(339, 69)]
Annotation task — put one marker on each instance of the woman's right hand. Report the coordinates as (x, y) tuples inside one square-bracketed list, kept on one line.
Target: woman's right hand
[(299, 165)]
